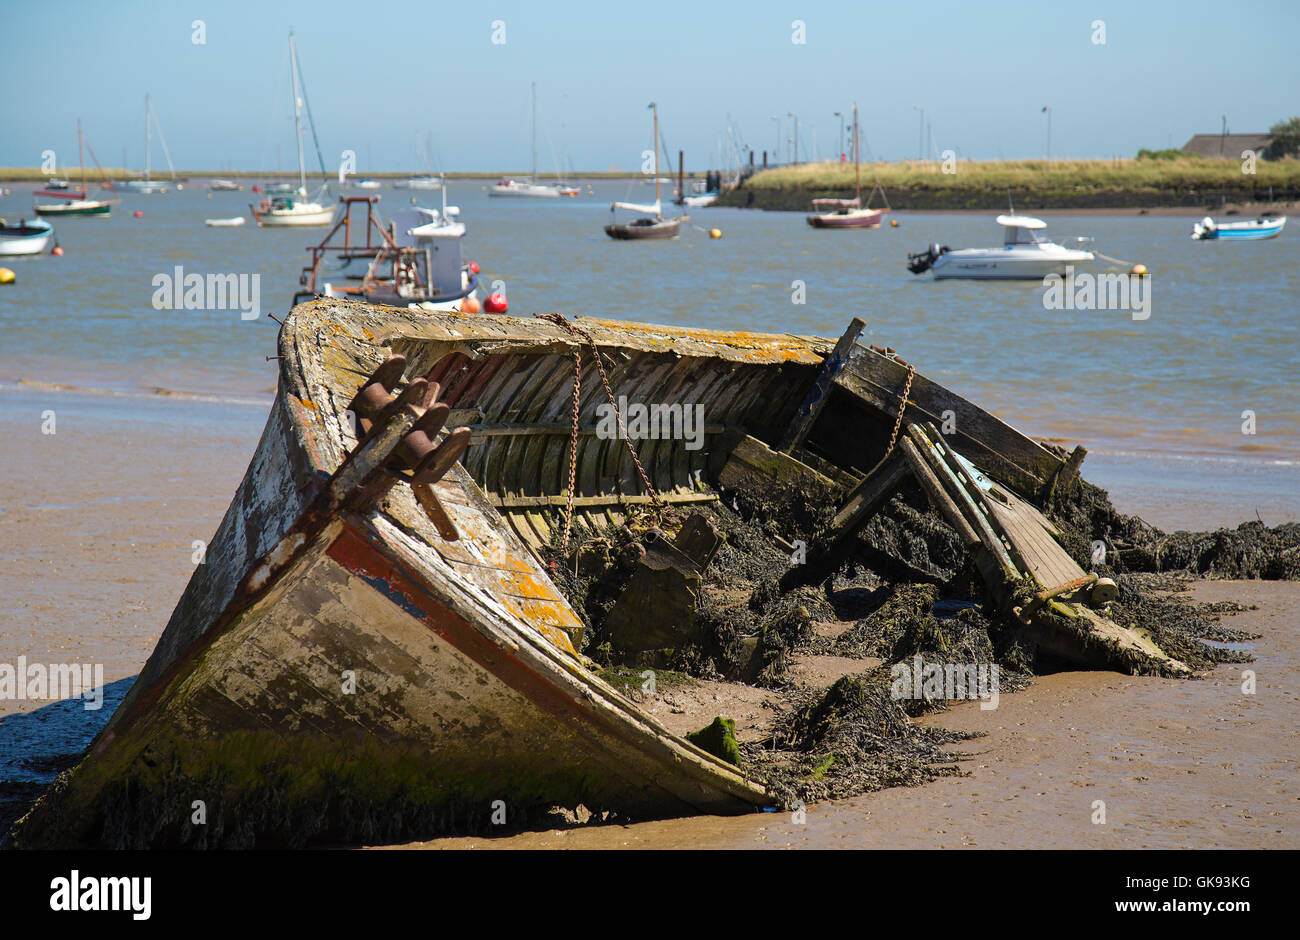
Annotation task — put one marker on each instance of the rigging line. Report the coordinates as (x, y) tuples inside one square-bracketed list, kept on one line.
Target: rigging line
[(325, 180), (162, 138)]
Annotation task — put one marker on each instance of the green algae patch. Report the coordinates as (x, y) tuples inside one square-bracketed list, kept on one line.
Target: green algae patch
[(719, 739)]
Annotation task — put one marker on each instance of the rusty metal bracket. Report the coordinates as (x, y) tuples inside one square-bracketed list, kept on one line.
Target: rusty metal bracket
[(399, 440)]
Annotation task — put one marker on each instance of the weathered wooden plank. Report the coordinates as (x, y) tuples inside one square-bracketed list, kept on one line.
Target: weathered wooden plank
[(986, 440), (753, 464), (612, 501), (863, 502), (988, 537), (811, 407)]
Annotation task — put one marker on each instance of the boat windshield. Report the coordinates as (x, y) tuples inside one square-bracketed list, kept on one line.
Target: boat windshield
[(1017, 235)]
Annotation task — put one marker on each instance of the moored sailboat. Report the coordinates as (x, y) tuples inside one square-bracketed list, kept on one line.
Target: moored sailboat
[(293, 208), (527, 187), (849, 213), (149, 184), (652, 225), (75, 202)]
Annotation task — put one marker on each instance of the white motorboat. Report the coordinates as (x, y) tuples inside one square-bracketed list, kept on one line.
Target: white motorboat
[(1025, 255), (225, 223), (366, 183), (224, 186), (294, 208), (26, 238)]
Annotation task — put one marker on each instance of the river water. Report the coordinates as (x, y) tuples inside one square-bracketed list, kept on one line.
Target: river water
[(1159, 401)]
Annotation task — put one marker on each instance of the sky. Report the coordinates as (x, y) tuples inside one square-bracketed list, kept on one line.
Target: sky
[(382, 79)]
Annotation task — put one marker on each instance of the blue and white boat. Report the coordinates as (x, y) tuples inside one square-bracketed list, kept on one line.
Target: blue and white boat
[(26, 238), (1266, 226)]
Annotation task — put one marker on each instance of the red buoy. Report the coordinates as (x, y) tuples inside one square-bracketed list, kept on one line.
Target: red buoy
[(495, 303), (139, 214), (473, 266)]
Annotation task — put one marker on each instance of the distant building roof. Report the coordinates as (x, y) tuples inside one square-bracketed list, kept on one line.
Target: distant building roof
[(1228, 146)]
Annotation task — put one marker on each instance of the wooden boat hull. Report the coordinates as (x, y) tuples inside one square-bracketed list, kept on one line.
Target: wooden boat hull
[(467, 688), (361, 660), (666, 228)]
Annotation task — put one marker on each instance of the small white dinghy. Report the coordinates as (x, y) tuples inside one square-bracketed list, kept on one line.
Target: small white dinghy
[(221, 223)]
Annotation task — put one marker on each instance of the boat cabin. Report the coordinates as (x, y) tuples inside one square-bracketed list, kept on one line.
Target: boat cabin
[(1022, 230)]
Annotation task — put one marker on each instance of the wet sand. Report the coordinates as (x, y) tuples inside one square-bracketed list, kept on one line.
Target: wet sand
[(1178, 764), (96, 531)]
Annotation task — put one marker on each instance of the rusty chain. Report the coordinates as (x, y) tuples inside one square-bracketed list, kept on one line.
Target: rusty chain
[(560, 320), (898, 422)]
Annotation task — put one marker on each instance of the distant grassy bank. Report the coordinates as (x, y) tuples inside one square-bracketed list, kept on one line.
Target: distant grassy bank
[(22, 174), (1066, 184)]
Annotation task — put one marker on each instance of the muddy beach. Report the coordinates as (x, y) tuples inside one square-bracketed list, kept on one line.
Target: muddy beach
[(1178, 764)]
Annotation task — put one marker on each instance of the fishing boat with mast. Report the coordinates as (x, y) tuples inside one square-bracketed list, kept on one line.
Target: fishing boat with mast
[(76, 202), (295, 208), (850, 213), (415, 261), (149, 184), (529, 187), (652, 224)]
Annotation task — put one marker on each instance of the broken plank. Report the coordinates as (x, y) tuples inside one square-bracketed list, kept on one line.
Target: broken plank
[(863, 502), (877, 381), (753, 464), (613, 500), (811, 407)]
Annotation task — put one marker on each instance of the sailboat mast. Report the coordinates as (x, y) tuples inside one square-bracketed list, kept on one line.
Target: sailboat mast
[(81, 153), (148, 139), (655, 108), (534, 130), (297, 115), (857, 157)]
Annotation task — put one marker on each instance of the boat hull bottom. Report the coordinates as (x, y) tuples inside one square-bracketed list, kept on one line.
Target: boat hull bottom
[(350, 705), (643, 232)]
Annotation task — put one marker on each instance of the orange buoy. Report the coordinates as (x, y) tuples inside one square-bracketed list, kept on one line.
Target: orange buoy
[(470, 305), (139, 214), (56, 250)]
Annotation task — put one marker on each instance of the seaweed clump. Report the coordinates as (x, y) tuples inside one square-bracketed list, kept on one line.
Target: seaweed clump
[(851, 739), (1251, 551)]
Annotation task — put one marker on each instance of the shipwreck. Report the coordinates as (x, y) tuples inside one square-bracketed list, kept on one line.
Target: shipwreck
[(376, 646)]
